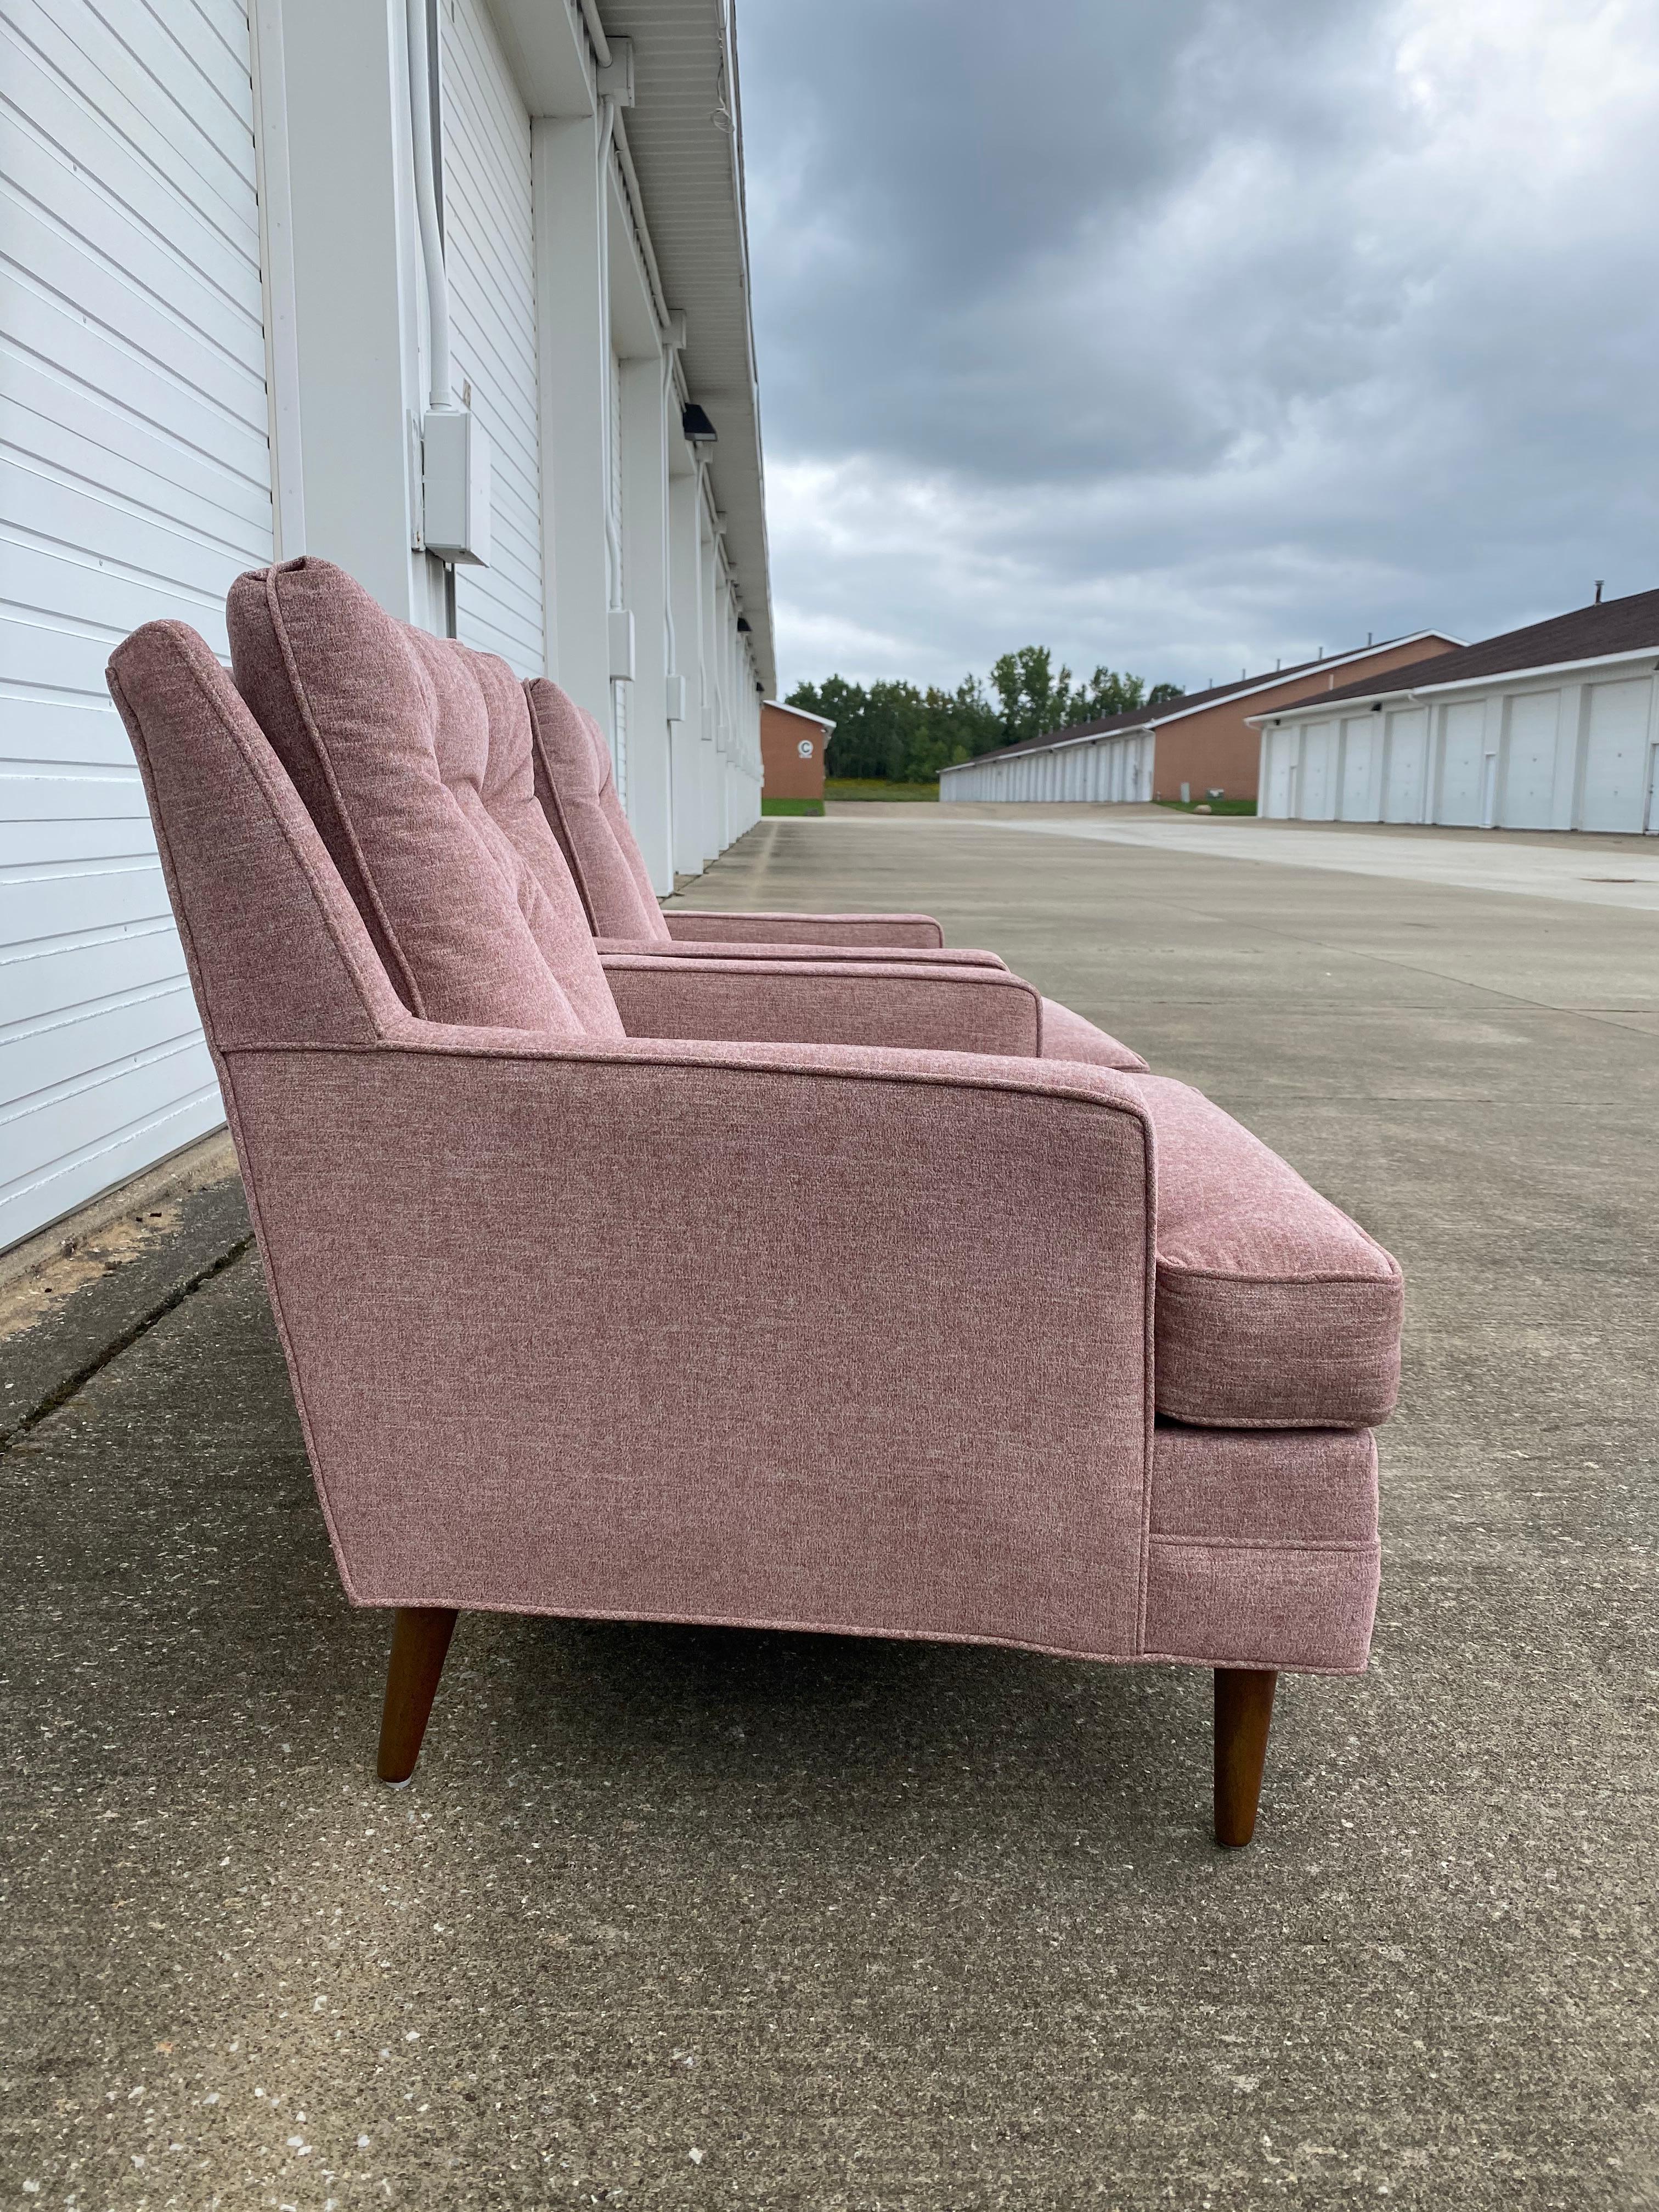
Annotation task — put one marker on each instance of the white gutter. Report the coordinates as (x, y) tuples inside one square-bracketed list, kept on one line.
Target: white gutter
[(1318, 708), (641, 229)]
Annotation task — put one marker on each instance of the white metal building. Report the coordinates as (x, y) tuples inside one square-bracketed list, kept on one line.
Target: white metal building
[(217, 346), (1554, 727), (1115, 768)]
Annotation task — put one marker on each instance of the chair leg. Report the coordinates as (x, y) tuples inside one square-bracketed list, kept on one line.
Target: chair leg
[(420, 1642), (1243, 1714)]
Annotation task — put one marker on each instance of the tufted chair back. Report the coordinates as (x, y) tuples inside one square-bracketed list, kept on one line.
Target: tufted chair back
[(414, 757), (578, 791)]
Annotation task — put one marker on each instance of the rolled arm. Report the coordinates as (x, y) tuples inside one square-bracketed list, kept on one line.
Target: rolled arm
[(824, 1337), (688, 924), (929, 1008)]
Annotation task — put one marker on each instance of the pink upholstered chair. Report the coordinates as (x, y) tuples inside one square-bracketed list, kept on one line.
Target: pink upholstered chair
[(578, 791), (1095, 1371)]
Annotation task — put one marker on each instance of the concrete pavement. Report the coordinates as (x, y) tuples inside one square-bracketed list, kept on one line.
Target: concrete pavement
[(672, 1918), (1612, 871)]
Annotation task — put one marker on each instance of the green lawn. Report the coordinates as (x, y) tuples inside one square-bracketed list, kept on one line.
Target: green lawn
[(1215, 805), (875, 786), (792, 806)]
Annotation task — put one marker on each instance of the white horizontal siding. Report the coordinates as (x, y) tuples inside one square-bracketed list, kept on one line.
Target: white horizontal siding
[(135, 482), (489, 255)]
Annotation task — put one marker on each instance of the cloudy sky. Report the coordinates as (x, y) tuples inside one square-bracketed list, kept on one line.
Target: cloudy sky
[(1184, 335)]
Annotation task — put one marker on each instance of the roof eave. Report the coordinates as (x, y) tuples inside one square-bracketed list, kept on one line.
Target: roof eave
[(1305, 708)]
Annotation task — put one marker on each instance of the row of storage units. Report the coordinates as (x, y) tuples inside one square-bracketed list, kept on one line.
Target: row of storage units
[(1111, 771), (1522, 755), (216, 326)]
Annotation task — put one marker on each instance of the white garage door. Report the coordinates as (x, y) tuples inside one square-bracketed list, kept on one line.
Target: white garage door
[(1280, 794), (137, 483), (1530, 763), (1616, 756), (1405, 766), (1463, 765), (1317, 776), (489, 255), (1359, 738)]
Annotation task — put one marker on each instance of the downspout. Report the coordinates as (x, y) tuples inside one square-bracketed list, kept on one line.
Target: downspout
[(612, 539), (674, 339), (426, 201), (421, 105)]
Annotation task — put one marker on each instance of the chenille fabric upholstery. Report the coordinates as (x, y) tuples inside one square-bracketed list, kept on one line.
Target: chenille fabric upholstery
[(1067, 1035), (576, 786), (536, 1280), (860, 1002), (1274, 1311), (386, 734), (416, 754), (577, 789)]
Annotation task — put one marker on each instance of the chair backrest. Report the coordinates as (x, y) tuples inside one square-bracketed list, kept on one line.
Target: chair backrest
[(578, 791), (414, 757), (276, 946)]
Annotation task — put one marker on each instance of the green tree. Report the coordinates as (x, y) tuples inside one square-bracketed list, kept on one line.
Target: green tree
[(1033, 698), (892, 729), (1107, 693)]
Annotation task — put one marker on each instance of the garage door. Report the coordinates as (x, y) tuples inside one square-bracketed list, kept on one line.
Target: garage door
[(136, 484), (1317, 796), (1616, 755), (1529, 762), (1360, 734), (1280, 794), (1405, 766), (1463, 764)]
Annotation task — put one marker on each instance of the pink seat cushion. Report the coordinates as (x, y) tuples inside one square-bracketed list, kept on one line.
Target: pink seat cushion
[(1273, 1309), (413, 757), (575, 786), (1066, 1036)]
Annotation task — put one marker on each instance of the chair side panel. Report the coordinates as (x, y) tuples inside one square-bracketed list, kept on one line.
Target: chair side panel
[(714, 1345)]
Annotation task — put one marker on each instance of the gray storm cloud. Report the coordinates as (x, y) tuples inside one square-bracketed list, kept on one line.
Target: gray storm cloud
[(1183, 336)]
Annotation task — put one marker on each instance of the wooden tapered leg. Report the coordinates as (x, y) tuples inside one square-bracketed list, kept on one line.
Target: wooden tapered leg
[(1243, 1714), (420, 1642)]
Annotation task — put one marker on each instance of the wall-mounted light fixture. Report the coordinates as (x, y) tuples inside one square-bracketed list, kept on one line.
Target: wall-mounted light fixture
[(695, 426)]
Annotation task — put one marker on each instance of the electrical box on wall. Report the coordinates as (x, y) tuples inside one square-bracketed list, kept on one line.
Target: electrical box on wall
[(676, 689), (621, 620), (455, 486)]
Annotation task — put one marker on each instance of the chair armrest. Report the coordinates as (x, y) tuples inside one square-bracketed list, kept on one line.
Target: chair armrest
[(824, 1337), (911, 956), (935, 1009), (688, 924)]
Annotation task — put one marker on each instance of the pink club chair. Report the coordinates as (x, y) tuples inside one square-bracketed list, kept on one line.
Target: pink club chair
[(576, 786), (1097, 1371), (578, 792)]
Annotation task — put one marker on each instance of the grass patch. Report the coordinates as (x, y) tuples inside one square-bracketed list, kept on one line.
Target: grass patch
[(1215, 805), (792, 806), (875, 786)]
